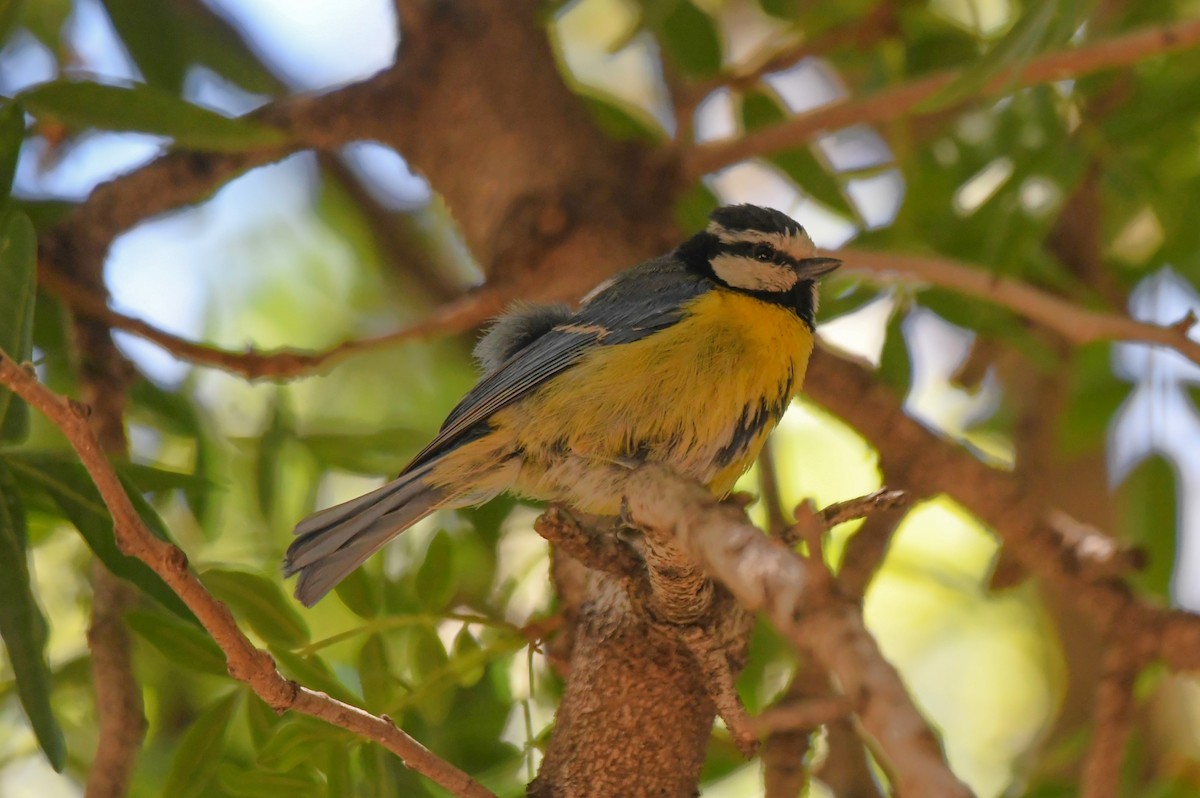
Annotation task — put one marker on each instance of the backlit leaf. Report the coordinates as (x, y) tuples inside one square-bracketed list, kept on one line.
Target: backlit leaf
[(22, 626), (146, 109), (18, 292)]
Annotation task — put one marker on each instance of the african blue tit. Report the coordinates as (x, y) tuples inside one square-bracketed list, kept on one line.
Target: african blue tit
[(689, 359)]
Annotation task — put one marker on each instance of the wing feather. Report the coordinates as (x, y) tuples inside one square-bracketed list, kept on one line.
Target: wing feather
[(638, 302)]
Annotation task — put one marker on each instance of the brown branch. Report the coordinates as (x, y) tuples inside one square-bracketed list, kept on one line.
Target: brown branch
[(764, 575), (119, 707), (903, 100), (1072, 322), (1113, 719), (279, 364), (247, 663), (768, 486), (866, 549), (926, 464)]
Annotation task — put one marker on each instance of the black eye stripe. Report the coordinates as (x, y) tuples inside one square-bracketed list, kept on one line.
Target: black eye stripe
[(748, 249)]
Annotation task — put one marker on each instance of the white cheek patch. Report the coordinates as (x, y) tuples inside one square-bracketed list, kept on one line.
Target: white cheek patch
[(738, 271)]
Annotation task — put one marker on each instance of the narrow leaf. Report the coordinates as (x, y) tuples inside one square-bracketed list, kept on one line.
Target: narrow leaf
[(12, 134), (192, 770), (436, 580), (146, 109), (22, 626), (18, 292), (68, 484), (690, 38), (261, 603), (374, 672), (180, 642)]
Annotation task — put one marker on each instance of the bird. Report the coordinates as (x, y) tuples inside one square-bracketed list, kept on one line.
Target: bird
[(688, 359)]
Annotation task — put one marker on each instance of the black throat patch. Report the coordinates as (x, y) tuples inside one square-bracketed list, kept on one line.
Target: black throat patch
[(697, 254)]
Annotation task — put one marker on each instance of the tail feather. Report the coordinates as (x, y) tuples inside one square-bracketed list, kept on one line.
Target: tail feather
[(332, 543)]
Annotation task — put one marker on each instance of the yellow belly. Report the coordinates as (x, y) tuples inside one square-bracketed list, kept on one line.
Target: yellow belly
[(700, 395)]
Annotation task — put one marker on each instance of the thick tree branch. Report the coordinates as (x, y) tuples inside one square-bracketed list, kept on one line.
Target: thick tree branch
[(766, 576), (1075, 324), (903, 100), (247, 663)]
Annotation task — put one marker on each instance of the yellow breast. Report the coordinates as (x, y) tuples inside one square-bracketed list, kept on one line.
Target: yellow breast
[(700, 395)]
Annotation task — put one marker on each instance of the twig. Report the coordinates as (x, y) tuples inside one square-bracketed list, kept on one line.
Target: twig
[(866, 549), (278, 364), (903, 100), (719, 680), (766, 576), (786, 737), (805, 714), (247, 663), (768, 486), (1072, 322), (1112, 724)]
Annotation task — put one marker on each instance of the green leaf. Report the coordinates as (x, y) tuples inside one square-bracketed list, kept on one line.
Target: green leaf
[(383, 452), (147, 109), (257, 783), (270, 451), (1094, 394), (68, 484), (359, 595), (467, 650), (293, 740), (192, 770), (763, 108), (895, 366), (311, 671), (844, 294), (436, 580), (10, 15), (12, 135), (619, 120), (164, 39), (689, 37), (22, 626), (182, 643), (1149, 512), (45, 20), (693, 207), (1047, 23), (261, 603), (18, 292), (432, 697), (374, 672)]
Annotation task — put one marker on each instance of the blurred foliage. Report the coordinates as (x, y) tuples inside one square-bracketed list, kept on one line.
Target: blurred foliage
[(429, 631)]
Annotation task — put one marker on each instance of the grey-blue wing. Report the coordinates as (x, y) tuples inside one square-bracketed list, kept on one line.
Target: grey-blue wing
[(638, 302)]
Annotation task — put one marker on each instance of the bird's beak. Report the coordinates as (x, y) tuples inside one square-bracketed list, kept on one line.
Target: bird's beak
[(812, 268)]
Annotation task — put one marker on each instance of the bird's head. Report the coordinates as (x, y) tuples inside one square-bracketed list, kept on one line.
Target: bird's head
[(761, 252)]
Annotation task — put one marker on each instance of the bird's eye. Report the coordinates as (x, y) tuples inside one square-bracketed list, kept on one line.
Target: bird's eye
[(764, 252)]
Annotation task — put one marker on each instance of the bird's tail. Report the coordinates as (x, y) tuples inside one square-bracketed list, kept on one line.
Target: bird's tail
[(332, 543)]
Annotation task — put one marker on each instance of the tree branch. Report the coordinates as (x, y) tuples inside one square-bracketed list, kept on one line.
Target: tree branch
[(280, 364), (1112, 723), (247, 663), (1074, 323), (927, 464), (766, 576), (904, 99)]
